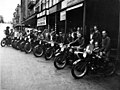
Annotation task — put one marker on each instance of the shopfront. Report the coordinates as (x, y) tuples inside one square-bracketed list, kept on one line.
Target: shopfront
[(31, 21), (74, 14), (42, 20), (61, 17), (75, 17), (52, 21)]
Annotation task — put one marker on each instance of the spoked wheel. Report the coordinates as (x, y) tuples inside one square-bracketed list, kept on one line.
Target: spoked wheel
[(49, 54), (79, 70), (110, 69), (22, 46), (60, 62), (38, 51), (28, 48), (3, 43), (17, 45)]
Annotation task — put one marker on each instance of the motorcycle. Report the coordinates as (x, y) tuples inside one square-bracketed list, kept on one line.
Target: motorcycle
[(30, 44), (6, 41), (52, 50), (23, 42), (40, 49), (63, 57), (92, 63)]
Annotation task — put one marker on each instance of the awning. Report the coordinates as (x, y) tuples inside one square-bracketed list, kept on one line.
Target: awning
[(31, 21)]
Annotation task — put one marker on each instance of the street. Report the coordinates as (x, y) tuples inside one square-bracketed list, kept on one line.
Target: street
[(20, 71)]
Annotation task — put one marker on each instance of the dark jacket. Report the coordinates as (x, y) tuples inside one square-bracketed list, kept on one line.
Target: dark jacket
[(97, 37), (78, 42), (7, 32), (106, 44)]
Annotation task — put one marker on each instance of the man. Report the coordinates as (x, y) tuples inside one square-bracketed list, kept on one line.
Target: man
[(7, 31), (96, 35), (12, 34), (79, 41), (105, 43)]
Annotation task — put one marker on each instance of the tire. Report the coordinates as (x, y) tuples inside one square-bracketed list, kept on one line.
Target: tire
[(110, 69), (12, 43), (17, 45), (38, 51), (49, 54), (60, 62), (3, 43), (28, 48), (22, 46), (77, 67)]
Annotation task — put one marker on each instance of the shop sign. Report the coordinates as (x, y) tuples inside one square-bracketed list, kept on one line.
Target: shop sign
[(53, 9), (72, 2), (62, 15), (41, 14), (41, 21), (64, 4)]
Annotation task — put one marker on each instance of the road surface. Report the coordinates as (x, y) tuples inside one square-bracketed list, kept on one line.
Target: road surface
[(20, 71)]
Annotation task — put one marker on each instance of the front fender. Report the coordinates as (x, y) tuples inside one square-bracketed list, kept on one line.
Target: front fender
[(57, 54), (77, 61)]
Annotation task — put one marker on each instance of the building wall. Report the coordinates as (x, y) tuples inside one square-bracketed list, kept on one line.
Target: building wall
[(24, 9), (17, 15)]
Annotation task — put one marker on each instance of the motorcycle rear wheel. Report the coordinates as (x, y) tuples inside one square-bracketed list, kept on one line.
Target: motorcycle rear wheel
[(110, 69), (60, 62), (78, 70)]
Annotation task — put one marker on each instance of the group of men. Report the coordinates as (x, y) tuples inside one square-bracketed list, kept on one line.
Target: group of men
[(100, 41), (97, 39)]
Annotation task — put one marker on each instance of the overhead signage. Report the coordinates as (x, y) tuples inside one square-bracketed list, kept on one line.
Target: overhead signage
[(64, 4), (62, 15), (41, 14), (74, 7), (53, 9), (41, 21), (72, 2)]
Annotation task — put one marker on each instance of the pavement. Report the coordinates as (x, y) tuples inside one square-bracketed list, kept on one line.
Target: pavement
[(20, 71)]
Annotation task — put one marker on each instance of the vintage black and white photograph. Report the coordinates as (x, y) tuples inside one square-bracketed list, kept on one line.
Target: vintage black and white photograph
[(59, 44)]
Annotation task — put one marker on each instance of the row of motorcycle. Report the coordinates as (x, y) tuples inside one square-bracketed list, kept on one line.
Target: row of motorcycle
[(81, 60)]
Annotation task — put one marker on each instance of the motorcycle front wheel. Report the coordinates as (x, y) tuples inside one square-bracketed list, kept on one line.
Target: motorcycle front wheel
[(109, 69), (22, 46), (17, 45), (60, 62), (49, 54), (28, 48), (3, 43), (79, 70), (38, 51)]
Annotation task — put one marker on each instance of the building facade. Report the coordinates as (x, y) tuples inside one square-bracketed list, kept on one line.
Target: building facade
[(66, 15), (17, 16)]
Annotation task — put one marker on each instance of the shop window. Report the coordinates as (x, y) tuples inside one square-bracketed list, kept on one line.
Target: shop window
[(50, 3), (47, 3), (54, 2)]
